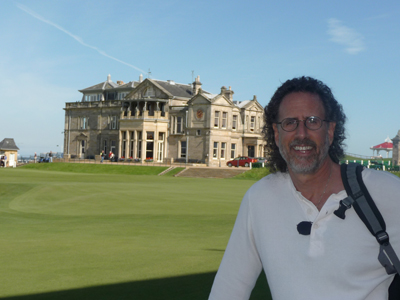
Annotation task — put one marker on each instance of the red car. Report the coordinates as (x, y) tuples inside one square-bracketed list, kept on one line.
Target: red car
[(242, 161)]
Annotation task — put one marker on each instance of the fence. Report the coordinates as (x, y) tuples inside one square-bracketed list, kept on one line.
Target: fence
[(385, 165)]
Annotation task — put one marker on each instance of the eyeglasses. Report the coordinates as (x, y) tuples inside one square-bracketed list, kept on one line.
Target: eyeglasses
[(291, 124)]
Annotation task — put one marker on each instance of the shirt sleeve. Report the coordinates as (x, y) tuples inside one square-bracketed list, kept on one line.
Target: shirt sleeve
[(241, 264)]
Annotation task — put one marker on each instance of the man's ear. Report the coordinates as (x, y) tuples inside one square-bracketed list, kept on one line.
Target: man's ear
[(276, 133)]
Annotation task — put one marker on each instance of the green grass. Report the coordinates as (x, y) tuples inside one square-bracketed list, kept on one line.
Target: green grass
[(253, 174), (173, 172), (96, 168), (71, 231)]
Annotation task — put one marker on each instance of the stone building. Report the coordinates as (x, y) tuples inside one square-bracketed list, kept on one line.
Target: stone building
[(9, 148), (396, 150), (162, 120)]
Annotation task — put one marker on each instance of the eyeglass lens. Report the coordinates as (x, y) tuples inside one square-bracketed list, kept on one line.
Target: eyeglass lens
[(312, 123)]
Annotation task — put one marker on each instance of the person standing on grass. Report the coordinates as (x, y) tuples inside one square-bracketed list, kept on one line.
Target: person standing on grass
[(336, 258)]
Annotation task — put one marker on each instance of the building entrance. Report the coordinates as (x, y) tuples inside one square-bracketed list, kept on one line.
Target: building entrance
[(250, 151)]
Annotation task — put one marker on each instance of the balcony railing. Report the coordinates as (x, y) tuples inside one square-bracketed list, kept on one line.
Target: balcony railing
[(144, 115), (111, 103)]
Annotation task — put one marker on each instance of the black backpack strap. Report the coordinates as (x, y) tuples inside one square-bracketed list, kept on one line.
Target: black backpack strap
[(361, 200)]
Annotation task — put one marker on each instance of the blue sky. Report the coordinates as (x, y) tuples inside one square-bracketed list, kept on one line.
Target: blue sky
[(51, 49)]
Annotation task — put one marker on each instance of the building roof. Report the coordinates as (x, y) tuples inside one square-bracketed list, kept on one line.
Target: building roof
[(108, 84), (387, 145), (8, 144), (176, 89), (383, 146), (241, 104)]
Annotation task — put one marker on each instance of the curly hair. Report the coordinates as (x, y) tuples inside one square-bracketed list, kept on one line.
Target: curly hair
[(333, 112)]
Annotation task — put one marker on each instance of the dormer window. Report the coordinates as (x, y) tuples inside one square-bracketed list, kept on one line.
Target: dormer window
[(92, 98)]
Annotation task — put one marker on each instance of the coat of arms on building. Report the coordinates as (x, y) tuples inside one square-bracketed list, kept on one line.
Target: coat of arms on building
[(199, 114)]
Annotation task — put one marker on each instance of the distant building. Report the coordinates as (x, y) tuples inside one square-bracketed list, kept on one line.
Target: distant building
[(385, 146), (163, 120), (9, 148), (396, 150)]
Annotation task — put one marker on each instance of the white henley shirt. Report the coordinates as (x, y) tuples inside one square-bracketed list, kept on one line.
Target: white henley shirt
[(337, 261)]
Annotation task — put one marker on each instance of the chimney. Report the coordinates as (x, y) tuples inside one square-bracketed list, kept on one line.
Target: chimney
[(120, 82), (254, 98), (223, 90), (140, 78), (109, 78), (227, 93), (196, 85)]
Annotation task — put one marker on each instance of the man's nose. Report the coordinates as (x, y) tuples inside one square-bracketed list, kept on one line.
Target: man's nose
[(301, 129)]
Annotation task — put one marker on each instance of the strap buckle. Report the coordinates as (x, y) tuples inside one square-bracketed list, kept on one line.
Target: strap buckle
[(345, 204), (382, 237)]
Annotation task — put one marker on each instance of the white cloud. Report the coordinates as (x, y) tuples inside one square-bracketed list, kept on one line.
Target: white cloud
[(75, 37), (348, 37)]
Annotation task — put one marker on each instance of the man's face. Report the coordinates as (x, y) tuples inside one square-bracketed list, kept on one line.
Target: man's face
[(303, 149)]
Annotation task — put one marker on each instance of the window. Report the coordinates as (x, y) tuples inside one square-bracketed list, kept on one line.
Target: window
[(111, 95), (113, 146), (91, 97), (252, 123), (198, 132), (84, 123), (105, 146), (139, 144), (183, 149), (224, 119), (215, 150), (160, 147), (83, 147), (223, 148), (113, 122), (216, 119), (132, 144), (233, 151), (234, 122), (123, 144), (179, 125), (121, 96), (149, 144)]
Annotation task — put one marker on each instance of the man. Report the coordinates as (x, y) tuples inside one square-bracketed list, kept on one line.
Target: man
[(102, 154), (336, 258), (111, 156)]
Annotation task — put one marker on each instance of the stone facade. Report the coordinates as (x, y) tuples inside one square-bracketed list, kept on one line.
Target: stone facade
[(163, 120), (9, 148), (396, 150)]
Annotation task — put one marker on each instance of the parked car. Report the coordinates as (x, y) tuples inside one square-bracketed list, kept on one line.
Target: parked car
[(242, 161), (261, 159)]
